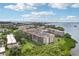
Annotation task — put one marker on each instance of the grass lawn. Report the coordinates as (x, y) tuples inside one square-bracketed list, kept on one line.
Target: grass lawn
[(59, 40)]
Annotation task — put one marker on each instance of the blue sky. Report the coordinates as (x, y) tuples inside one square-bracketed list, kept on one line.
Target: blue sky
[(39, 12)]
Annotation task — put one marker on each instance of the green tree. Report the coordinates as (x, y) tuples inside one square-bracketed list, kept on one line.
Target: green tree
[(67, 35)]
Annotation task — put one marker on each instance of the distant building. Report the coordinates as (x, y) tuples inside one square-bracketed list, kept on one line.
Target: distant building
[(11, 41), (26, 26), (2, 29), (2, 51)]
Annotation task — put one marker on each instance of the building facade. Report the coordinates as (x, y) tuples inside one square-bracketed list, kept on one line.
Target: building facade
[(56, 32)]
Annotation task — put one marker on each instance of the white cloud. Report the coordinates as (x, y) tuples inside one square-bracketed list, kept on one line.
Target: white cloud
[(72, 18), (60, 5), (20, 6), (69, 18), (29, 6), (39, 14), (64, 5), (35, 4), (76, 5)]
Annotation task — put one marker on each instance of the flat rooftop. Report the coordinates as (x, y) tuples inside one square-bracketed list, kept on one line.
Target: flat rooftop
[(39, 33), (55, 30), (11, 39)]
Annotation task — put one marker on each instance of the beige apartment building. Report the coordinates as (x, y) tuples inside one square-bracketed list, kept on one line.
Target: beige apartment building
[(43, 38), (56, 32), (39, 35), (42, 35)]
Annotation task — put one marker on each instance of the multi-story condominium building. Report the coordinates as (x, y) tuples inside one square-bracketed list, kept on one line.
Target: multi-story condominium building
[(2, 29), (56, 32), (42, 35), (39, 35), (11, 41)]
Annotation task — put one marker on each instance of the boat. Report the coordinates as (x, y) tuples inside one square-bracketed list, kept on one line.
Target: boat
[(75, 25)]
